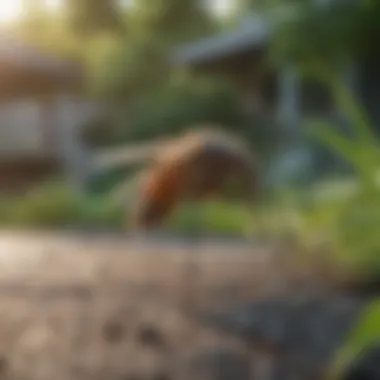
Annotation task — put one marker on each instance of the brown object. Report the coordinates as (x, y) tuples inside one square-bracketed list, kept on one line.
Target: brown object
[(196, 165), (150, 335), (113, 332)]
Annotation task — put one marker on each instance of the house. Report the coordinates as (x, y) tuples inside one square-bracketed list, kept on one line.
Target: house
[(42, 107), (280, 93), (239, 55)]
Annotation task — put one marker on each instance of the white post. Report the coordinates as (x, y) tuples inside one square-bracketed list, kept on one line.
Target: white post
[(72, 153), (288, 111)]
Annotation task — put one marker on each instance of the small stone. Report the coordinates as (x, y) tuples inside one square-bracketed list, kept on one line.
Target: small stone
[(113, 332), (150, 336)]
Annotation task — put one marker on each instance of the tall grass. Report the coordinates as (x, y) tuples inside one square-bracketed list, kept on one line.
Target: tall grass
[(364, 335), (54, 205), (355, 219)]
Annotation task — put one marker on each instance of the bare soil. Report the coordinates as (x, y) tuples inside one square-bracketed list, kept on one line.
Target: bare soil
[(77, 307)]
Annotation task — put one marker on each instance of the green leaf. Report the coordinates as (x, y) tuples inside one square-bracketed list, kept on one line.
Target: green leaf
[(356, 114), (335, 140), (364, 334), (357, 153)]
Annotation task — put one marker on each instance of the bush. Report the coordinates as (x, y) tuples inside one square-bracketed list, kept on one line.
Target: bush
[(49, 205), (100, 212), (54, 205), (169, 110), (181, 105), (346, 221), (211, 218)]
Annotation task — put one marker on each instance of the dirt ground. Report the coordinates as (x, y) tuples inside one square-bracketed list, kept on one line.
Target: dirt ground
[(77, 307)]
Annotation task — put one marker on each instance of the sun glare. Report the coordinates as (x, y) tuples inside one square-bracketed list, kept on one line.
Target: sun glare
[(53, 5), (10, 10)]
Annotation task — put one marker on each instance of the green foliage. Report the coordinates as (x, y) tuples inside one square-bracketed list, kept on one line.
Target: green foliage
[(178, 106), (53, 205), (139, 59), (125, 68), (107, 181), (87, 17), (348, 222), (50, 205), (331, 30), (173, 21), (361, 151), (364, 335), (125, 48), (100, 212), (174, 107), (356, 237), (329, 33), (48, 32), (211, 218)]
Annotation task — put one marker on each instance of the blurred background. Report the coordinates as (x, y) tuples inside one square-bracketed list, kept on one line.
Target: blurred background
[(91, 90)]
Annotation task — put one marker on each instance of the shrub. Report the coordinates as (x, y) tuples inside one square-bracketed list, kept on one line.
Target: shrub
[(169, 110), (49, 205), (54, 205), (100, 212), (178, 106), (211, 218)]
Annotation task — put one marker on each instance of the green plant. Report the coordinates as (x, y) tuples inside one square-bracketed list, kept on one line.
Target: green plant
[(52, 204), (55, 205), (176, 106), (357, 221), (213, 217), (101, 212), (362, 152), (365, 333)]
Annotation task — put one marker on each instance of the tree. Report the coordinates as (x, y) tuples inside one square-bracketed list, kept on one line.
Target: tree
[(139, 61), (126, 68), (87, 17), (173, 21), (326, 35), (48, 30)]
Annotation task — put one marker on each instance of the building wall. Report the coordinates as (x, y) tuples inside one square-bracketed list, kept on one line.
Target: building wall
[(32, 127), (72, 113), (20, 132), (42, 136)]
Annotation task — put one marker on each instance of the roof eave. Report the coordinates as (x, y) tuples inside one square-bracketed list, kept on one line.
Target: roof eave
[(255, 35)]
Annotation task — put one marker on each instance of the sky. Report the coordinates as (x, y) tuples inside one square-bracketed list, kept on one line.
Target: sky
[(11, 10)]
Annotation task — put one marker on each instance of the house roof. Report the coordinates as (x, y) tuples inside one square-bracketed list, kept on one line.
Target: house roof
[(27, 70), (253, 32), (31, 59)]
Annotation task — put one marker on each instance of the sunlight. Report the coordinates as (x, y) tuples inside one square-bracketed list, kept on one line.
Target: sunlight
[(53, 5), (221, 8), (10, 10)]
